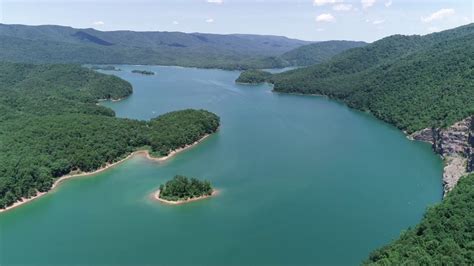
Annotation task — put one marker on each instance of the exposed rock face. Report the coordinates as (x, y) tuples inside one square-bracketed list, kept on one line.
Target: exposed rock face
[(470, 166), (455, 169), (456, 145), (426, 135)]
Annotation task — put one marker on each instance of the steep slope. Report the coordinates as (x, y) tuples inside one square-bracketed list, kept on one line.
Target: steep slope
[(413, 82), (316, 53), (455, 144), (58, 44), (305, 55)]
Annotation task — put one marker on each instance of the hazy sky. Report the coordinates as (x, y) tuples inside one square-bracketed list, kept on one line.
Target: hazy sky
[(317, 20)]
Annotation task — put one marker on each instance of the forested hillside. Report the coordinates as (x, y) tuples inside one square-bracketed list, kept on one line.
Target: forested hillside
[(444, 236), (316, 53), (58, 44), (51, 125), (306, 55), (412, 82)]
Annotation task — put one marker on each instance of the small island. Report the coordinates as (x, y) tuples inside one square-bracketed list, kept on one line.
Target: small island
[(182, 189), (143, 72), (108, 68), (253, 77)]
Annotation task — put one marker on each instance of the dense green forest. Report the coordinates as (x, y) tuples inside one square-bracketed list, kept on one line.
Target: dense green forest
[(319, 52), (305, 55), (50, 125), (59, 44), (444, 237), (143, 72), (412, 82), (183, 188), (253, 76)]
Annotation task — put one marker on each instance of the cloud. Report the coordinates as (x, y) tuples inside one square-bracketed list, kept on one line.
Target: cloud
[(379, 21), (388, 3), (98, 23), (175, 22), (323, 2), (215, 1), (433, 29), (320, 29), (210, 20), (440, 14), (367, 3), (325, 18), (375, 22), (342, 7)]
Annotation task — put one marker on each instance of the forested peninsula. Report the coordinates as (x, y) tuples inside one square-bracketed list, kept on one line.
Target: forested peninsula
[(51, 126), (143, 72), (253, 77)]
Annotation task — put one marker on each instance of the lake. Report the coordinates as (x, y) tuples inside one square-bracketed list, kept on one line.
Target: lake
[(302, 180)]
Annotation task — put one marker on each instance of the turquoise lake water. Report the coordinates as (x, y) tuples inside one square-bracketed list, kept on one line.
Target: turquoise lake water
[(303, 180)]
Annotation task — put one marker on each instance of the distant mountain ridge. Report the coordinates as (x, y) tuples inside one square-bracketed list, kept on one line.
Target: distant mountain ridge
[(60, 44)]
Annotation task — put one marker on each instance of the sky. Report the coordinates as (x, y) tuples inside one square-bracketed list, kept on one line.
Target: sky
[(314, 20)]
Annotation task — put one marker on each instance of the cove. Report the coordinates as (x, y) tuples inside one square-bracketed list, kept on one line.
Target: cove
[(302, 180)]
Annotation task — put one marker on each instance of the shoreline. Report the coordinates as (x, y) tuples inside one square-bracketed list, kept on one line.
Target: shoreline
[(452, 145), (309, 94), (61, 179), (172, 153), (250, 84), (156, 197)]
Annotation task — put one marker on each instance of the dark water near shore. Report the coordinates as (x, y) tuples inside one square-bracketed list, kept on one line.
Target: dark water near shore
[(303, 180)]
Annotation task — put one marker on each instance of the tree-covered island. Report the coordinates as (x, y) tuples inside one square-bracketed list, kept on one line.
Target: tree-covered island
[(143, 72), (182, 189)]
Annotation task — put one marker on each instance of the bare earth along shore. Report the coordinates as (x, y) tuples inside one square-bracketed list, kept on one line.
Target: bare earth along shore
[(145, 153), (156, 196)]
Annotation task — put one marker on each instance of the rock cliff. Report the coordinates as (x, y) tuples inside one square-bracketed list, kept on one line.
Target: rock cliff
[(456, 145), (470, 166)]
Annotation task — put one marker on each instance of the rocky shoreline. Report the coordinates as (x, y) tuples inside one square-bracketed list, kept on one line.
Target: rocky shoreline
[(455, 144)]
